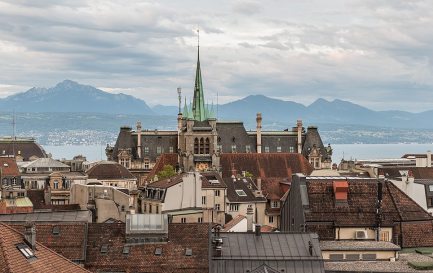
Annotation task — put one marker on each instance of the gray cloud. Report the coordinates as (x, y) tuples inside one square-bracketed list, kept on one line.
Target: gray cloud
[(378, 53)]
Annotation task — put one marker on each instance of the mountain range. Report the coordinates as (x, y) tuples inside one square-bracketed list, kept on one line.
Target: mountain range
[(69, 96)]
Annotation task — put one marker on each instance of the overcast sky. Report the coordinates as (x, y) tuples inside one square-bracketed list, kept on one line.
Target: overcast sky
[(377, 53)]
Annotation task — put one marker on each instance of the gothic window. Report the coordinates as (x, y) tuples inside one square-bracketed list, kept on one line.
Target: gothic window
[(206, 146), (196, 146), (201, 151)]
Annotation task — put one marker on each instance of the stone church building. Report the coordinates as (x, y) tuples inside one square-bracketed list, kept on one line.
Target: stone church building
[(201, 139)]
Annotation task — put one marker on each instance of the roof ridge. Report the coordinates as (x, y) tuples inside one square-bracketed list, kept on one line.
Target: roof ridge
[(2, 248)]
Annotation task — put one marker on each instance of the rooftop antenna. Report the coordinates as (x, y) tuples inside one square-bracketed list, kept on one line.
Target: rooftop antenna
[(179, 96), (13, 133)]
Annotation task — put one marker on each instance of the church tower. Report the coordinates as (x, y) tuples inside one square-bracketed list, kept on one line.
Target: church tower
[(198, 135)]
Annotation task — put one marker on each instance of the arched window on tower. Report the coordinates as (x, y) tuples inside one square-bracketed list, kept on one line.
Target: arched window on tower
[(196, 146), (206, 146)]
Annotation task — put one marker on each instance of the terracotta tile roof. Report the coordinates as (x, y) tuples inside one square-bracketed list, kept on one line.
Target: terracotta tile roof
[(266, 228), (46, 261), (233, 222), (70, 241), (109, 170), (141, 257), (266, 165), (164, 159), (9, 167), (361, 208)]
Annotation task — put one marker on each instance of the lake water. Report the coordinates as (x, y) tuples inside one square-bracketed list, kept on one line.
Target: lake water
[(348, 151)]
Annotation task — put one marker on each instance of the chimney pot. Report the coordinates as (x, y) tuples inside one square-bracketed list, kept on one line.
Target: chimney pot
[(258, 230)]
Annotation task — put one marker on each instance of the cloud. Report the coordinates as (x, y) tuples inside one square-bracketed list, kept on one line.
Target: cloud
[(377, 53)]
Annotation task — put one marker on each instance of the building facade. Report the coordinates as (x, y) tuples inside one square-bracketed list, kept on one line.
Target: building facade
[(201, 139)]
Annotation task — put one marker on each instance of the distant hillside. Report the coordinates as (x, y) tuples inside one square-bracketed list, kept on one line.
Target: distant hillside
[(69, 96), (321, 111)]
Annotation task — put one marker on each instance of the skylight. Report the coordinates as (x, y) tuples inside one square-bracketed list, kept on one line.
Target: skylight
[(104, 248), (241, 193), (26, 251), (158, 251), (188, 252)]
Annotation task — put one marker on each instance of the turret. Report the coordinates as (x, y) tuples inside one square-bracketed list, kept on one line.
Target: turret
[(139, 139)]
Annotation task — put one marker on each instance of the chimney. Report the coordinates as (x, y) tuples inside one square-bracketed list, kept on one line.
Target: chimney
[(234, 172), (30, 235), (341, 188), (259, 132), (429, 158), (299, 129), (258, 230), (138, 139), (410, 176), (259, 183), (250, 212)]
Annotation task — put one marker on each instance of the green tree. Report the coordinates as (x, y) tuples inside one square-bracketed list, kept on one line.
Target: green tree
[(167, 172)]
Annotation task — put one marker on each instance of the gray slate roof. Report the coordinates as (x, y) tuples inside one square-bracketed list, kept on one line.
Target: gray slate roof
[(269, 252), (269, 246), (58, 216)]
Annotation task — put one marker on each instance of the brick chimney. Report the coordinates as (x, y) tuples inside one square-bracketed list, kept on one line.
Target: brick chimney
[(259, 132), (341, 188)]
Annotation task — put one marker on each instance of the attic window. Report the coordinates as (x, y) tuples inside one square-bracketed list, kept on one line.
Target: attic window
[(26, 251), (5, 164), (241, 193), (158, 251), (188, 252), (125, 250), (104, 249), (56, 230)]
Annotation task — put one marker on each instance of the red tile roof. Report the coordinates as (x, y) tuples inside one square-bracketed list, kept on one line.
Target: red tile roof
[(361, 199), (141, 257), (8, 166), (233, 222), (46, 261), (70, 242), (266, 165), (164, 159)]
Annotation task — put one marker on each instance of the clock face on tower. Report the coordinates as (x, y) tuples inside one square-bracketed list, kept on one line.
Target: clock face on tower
[(201, 166)]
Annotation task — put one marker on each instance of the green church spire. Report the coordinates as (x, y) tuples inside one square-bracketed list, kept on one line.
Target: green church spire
[(198, 105)]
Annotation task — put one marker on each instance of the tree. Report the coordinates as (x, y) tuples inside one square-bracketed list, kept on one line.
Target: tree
[(167, 172)]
